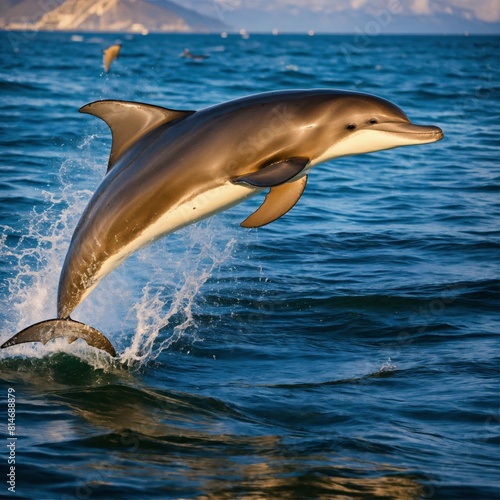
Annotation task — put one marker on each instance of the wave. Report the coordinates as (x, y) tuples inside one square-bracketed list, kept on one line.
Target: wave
[(19, 87)]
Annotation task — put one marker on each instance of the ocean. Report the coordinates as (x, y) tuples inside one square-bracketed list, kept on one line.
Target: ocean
[(349, 350)]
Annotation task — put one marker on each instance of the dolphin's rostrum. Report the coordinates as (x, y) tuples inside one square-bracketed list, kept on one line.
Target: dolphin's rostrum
[(170, 168)]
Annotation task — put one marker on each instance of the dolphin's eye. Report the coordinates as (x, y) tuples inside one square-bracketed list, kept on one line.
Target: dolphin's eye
[(373, 121), (351, 126)]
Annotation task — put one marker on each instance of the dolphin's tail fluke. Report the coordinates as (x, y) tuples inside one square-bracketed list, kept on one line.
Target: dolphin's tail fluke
[(67, 328)]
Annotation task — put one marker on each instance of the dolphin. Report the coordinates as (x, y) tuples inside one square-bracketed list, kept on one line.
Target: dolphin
[(196, 57), (110, 54), (170, 168)]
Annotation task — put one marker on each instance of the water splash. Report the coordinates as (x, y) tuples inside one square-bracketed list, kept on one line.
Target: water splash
[(37, 255), (195, 267), (36, 258), (387, 366)]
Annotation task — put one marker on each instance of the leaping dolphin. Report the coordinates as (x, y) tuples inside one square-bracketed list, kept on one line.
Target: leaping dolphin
[(110, 54), (170, 168)]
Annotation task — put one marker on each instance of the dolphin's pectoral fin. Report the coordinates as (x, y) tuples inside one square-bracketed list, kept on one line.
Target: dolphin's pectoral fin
[(274, 174), (129, 121), (278, 202), (67, 328)]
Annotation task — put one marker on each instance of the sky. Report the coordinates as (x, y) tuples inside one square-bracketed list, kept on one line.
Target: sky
[(428, 16), (484, 10)]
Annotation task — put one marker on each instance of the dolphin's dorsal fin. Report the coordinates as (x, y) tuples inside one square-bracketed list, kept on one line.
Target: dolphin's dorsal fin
[(274, 174), (278, 202), (129, 121)]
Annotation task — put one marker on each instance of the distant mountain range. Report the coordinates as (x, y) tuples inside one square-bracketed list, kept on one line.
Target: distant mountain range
[(123, 16), (360, 17)]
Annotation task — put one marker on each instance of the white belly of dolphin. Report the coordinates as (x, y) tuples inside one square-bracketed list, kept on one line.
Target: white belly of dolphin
[(368, 141), (200, 207)]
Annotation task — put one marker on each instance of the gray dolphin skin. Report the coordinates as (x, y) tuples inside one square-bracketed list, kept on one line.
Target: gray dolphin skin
[(170, 168)]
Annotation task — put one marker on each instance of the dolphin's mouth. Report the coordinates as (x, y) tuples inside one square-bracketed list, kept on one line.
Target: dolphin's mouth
[(410, 130)]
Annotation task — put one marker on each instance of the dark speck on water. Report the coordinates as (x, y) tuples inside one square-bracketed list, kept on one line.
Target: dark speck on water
[(348, 350)]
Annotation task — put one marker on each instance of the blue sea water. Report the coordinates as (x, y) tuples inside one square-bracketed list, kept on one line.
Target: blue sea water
[(348, 350)]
